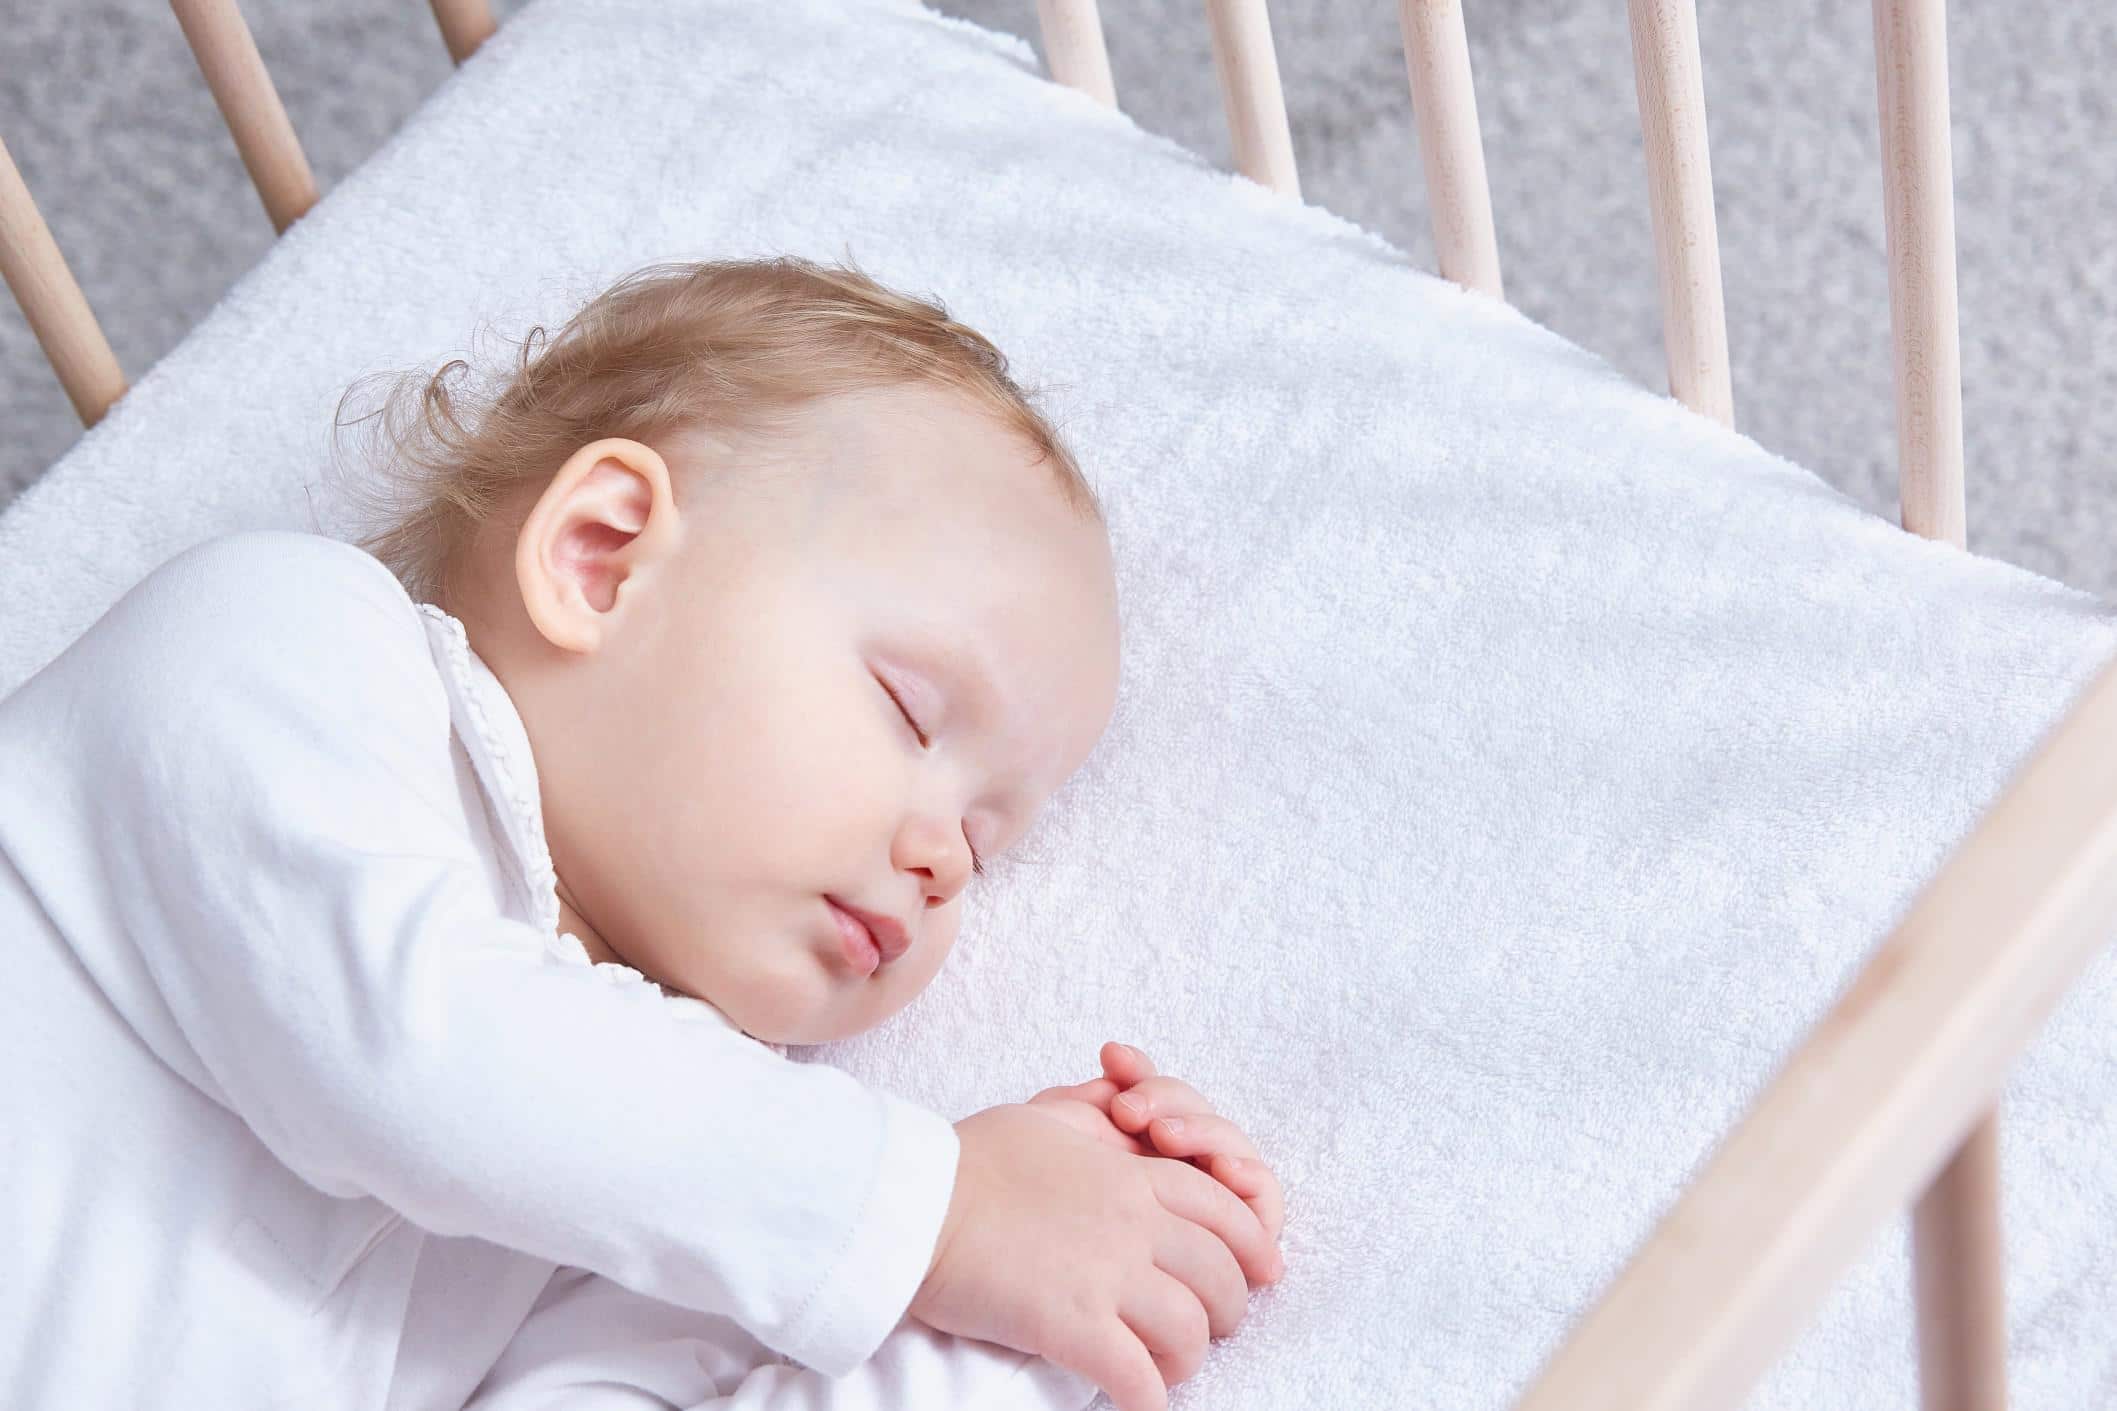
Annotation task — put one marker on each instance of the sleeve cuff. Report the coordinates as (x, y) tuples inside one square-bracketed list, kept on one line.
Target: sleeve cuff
[(867, 1292)]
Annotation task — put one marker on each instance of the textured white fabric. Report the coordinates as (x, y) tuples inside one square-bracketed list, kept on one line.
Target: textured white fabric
[(1509, 765), (286, 997), (593, 1345)]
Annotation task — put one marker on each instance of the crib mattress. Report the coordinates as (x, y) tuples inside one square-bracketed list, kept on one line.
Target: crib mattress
[(1509, 765)]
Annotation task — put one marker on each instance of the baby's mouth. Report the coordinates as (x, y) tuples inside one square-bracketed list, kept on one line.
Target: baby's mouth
[(878, 934), (856, 942)]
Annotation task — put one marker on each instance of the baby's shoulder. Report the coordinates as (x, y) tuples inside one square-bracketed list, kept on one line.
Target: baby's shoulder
[(240, 608), (264, 566)]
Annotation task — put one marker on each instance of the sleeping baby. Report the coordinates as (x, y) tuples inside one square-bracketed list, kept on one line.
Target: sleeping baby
[(403, 939)]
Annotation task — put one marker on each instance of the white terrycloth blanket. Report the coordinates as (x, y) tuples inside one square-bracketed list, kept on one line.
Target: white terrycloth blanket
[(1510, 765)]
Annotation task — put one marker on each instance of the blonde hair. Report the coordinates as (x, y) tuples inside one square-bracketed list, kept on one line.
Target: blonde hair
[(734, 346)]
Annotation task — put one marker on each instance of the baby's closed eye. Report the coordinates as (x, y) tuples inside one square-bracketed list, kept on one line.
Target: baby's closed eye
[(977, 861)]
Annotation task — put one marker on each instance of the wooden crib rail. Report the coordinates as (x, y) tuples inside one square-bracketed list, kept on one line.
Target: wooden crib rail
[(1911, 60), (1074, 49), (1912, 85), (1670, 78), (1911, 90), (36, 272), (1249, 85), (52, 302), (465, 24), (249, 104), (1451, 149), (1863, 1114)]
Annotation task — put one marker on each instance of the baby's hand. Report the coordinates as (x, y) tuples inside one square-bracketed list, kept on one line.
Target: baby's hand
[(1086, 1108), (1172, 1120), (1182, 1124)]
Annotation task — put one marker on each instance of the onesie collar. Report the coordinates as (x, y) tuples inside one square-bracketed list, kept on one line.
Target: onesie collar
[(485, 719)]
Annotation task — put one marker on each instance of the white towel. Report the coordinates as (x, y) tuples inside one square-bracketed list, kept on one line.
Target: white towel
[(1509, 766)]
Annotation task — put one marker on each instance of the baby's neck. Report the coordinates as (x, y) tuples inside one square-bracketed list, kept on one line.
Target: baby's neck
[(598, 950)]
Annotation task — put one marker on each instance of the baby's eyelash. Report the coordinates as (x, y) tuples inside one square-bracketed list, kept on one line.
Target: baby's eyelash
[(903, 712), (977, 863)]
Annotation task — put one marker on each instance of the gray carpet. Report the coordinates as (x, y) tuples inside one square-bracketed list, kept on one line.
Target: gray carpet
[(103, 109)]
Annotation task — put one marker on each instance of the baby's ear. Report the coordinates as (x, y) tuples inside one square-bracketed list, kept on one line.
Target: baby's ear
[(603, 525)]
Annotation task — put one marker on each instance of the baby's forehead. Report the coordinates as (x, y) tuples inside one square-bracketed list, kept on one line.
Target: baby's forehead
[(931, 493), (920, 426)]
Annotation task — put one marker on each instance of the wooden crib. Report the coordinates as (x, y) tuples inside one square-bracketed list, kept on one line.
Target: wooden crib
[(1890, 1099)]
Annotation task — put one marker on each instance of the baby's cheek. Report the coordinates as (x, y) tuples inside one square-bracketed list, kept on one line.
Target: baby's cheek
[(928, 954), (780, 1001)]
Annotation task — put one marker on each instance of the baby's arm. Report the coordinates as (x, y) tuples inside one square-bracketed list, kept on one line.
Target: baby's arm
[(244, 773), (592, 1345)]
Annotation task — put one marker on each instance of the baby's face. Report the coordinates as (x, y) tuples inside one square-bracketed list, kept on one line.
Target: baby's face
[(745, 738)]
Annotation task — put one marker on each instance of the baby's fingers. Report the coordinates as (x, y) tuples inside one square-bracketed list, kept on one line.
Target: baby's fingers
[(1124, 1064), (1191, 1134), (1251, 1179), (1227, 1155), (1156, 1097), (1096, 1093), (1110, 1354), (1192, 1194)]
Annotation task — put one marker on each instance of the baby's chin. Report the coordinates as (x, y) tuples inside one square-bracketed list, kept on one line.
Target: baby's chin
[(802, 1034), (797, 1009), (820, 1025)]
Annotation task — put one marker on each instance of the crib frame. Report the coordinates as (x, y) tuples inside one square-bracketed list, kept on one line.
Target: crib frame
[(1891, 1097)]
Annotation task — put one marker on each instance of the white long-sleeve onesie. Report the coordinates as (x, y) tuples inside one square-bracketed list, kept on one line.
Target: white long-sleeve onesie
[(307, 1101), (592, 1345)]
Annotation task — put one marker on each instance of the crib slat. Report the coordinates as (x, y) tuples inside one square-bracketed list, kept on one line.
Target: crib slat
[(1074, 50), (1911, 72), (1957, 1245), (227, 55), (52, 302), (1249, 85), (1910, 1057), (1958, 1278), (1671, 82), (465, 24), (1437, 61)]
